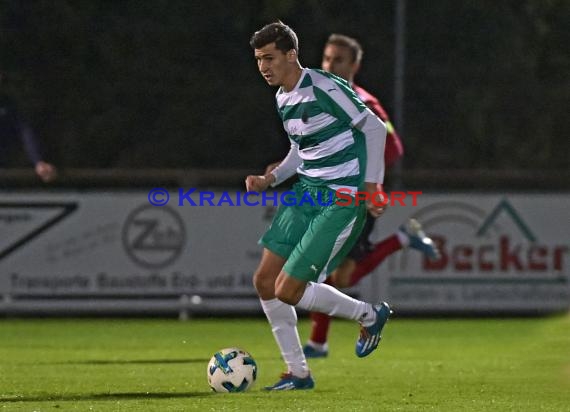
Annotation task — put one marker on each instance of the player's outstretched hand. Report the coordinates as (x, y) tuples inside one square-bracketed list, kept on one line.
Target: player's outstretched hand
[(375, 211), (258, 183)]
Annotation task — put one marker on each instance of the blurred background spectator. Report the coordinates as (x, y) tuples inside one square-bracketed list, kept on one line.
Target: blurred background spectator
[(15, 131)]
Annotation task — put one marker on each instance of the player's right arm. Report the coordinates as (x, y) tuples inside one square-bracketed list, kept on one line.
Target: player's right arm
[(276, 173), (287, 167)]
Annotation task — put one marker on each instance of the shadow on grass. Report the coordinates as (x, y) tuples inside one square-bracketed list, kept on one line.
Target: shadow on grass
[(132, 361), (106, 396)]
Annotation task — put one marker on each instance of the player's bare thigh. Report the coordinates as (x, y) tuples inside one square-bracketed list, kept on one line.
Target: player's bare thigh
[(266, 274)]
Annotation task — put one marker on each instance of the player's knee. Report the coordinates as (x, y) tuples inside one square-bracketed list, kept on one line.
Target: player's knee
[(286, 296), (264, 285), (287, 293)]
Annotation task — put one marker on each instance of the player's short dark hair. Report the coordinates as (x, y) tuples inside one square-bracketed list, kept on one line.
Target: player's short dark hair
[(279, 33), (345, 41)]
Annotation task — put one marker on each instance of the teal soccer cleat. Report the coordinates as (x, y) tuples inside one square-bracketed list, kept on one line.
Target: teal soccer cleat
[(311, 352), (370, 335), (288, 382), (419, 240)]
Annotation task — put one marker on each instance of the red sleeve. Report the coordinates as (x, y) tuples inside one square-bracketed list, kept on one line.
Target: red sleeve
[(394, 149)]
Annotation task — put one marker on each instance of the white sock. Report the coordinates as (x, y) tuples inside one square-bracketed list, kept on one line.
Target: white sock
[(403, 238), (283, 321), (320, 297)]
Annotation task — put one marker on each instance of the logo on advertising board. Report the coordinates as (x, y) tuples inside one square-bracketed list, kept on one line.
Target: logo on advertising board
[(486, 255), (154, 237), (22, 222)]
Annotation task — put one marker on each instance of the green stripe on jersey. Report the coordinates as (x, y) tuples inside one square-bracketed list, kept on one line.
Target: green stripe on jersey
[(341, 181), (307, 82), (337, 158), (300, 111), (324, 134)]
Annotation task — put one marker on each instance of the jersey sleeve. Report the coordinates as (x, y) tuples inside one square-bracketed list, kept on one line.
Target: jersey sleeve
[(288, 165)]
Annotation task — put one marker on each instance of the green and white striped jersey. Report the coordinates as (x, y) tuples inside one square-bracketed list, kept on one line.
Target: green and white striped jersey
[(319, 116)]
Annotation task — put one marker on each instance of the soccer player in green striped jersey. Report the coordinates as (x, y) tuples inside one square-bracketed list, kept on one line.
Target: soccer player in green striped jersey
[(337, 143)]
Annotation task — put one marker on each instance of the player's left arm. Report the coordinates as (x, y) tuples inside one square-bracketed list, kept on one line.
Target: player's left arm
[(394, 149), (374, 131), (342, 102)]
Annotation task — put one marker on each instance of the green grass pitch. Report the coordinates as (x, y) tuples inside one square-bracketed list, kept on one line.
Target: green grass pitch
[(160, 365)]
